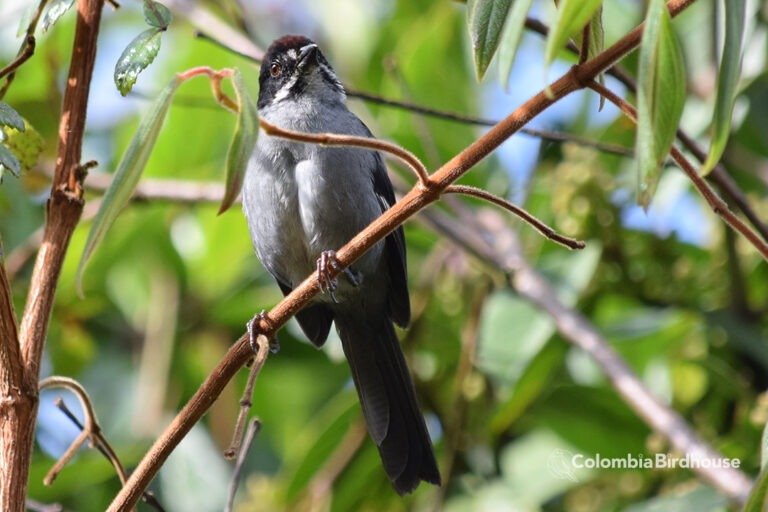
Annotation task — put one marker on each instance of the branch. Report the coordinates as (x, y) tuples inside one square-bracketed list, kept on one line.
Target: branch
[(254, 427), (333, 139), (578, 331), (714, 201), (62, 213), (25, 52), (719, 175), (417, 199), (542, 228)]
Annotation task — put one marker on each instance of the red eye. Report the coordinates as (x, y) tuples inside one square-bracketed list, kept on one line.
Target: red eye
[(275, 69)]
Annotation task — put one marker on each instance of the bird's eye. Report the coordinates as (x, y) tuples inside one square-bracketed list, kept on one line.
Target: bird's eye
[(275, 69)]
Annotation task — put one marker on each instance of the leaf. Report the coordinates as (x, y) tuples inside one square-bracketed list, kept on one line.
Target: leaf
[(572, 16), (55, 11), (242, 143), (758, 498), (727, 80), (510, 38), (9, 161), (513, 332), (596, 43), (486, 21), (9, 117), (135, 58), (128, 173), (156, 14), (660, 97)]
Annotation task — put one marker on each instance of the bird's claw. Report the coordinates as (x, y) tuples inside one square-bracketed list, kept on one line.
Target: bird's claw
[(326, 264), (253, 333)]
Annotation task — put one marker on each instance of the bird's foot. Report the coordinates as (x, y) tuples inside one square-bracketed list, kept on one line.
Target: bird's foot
[(326, 264), (253, 332)]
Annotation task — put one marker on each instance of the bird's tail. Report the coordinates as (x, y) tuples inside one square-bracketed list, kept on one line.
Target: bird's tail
[(388, 399)]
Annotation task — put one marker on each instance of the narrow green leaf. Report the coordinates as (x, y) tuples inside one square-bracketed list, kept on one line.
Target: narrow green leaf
[(55, 11), (727, 80), (596, 43), (764, 448), (128, 173), (510, 38), (9, 161), (758, 498), (9, 117), (572, 16), (135, 58), (242, 143), (660, 97), (156, 14), (486, 21)]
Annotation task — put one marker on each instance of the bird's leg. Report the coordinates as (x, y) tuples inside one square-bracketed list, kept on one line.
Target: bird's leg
[(325, 264), (253, 331)]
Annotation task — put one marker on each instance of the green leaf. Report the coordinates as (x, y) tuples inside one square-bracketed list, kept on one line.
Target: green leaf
[(128, 173), (510, 38), (9, 117), (242, 143), (758, 498), (486, 21), (596, 43), (9, 161), (55, 11), (660, 97), (135, 58), (534, 380), (513, 332), (156, 14), (572, 16), (727, 80)]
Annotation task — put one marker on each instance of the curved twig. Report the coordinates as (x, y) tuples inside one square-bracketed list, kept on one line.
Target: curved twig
[(537, 224), (254, 427), (334, 139), (90, 429)]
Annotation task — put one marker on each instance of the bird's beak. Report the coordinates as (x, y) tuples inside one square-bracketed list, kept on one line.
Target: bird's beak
[(306, 54)]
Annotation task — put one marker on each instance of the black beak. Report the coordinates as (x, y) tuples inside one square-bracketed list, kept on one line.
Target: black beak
[(307, 54)]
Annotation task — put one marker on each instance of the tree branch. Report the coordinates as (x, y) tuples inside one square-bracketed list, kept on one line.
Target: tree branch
[(63, 211), (714, 201), (417, 199)]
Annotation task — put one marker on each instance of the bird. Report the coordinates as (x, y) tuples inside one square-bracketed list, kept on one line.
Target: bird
[(303, 201)]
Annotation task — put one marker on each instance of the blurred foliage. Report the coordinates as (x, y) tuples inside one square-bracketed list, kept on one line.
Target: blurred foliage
[(173, 285)]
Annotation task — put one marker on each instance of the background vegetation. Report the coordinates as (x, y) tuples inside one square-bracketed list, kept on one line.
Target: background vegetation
[(675, 292)]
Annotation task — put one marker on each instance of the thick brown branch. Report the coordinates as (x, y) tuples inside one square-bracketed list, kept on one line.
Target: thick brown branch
[(414, 201), (63, 211)]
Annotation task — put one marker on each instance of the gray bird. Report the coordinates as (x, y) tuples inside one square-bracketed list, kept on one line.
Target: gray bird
[(302, 201)]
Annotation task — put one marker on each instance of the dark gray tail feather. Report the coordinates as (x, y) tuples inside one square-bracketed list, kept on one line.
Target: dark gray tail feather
[(388, 399)]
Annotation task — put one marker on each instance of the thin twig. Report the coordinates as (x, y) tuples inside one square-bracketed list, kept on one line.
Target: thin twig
[(254, 427), (715, 202), (246, 400), (90, 428), (334, 139), (25, 52), (108, 452), (537, 224)]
